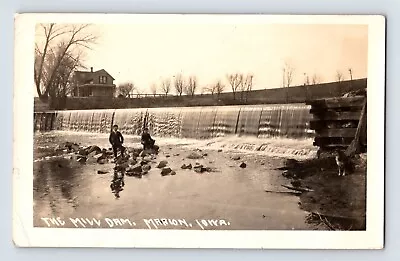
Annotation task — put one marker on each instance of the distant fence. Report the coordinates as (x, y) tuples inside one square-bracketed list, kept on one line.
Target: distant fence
[(335, 121)]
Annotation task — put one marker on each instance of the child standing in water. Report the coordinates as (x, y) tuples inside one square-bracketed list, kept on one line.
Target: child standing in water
[(116, 139)]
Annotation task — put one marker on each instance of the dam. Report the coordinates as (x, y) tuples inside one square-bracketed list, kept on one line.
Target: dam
[(261, 121)]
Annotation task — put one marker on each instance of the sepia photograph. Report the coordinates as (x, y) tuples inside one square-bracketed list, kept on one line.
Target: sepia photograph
[(194, 123)]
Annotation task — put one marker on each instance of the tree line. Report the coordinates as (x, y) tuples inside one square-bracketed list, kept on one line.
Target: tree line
[(238, 83), (60, 51)]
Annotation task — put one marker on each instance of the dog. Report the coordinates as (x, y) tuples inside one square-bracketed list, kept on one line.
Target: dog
[(344, 163)]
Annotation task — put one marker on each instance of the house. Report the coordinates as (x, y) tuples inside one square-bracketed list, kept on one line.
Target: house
[(93, 83)]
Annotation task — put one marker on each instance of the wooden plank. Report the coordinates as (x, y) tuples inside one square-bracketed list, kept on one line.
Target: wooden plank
[(338, 115), (320, 124), (345, 133), (356, 101)]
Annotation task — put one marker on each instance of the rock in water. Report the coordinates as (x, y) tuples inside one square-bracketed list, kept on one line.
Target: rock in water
[(184, 166), (199, 169), (166, 171), (93, 149), (243, 165), (162, 164), (144, 162), (101, 160), (173, 173), (97, 156), (102, 172), (195, 155), (134, 171), (236, 157), (220, 150), (147, 158), (146, 168)]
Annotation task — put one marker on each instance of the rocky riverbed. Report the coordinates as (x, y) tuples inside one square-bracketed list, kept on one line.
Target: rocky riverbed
[(227, 183)]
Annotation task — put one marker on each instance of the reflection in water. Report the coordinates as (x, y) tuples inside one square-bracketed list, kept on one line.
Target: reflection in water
[(54, 180)]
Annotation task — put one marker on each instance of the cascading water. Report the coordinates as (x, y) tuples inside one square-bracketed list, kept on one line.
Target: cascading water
[(263, 121), (129, 121), (190, 121), (249, 121), (165, 122), (225, 121), (84, 120)]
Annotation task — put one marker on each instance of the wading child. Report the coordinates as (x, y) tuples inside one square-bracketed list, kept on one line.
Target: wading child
[(116, 139)]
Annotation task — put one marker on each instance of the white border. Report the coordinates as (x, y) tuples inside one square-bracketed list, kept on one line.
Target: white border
[(25, 235)]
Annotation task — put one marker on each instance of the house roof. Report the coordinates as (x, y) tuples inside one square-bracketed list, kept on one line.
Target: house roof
[(88, 74)]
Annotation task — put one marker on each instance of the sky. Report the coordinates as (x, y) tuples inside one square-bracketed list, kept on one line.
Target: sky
[(147, 53)]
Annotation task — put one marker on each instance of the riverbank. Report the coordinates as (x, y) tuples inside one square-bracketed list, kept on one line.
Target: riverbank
[(334, 202)]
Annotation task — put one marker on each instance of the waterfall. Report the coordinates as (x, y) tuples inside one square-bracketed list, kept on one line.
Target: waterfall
[(84, 120), (263, 121), (165, 122), (129, 121)]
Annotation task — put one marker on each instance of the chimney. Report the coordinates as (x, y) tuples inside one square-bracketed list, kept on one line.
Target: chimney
[(91, 69)]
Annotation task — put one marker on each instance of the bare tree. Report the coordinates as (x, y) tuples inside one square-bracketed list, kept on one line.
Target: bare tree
[(339, 76), (166, 86), (191, 86), (179, 84), (306, 79), (66, 38), (242, 85), (249, 84), (288, 72), (235, 80), (315, 79), (219, 88), (213, 88), (153, 89), (62, 85), (125, 89)]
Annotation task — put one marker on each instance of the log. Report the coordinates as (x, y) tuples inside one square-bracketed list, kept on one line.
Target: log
[(355, 146), (298, 188), (285, 192)]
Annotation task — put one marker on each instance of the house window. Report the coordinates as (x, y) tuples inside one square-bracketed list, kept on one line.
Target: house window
[(103, 79)]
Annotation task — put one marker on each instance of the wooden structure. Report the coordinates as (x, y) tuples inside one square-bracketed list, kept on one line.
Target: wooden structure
[(43, 121), (336, 122)]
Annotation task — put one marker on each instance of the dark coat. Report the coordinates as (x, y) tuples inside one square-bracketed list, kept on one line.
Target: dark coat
[(146, 138), (116, 138)]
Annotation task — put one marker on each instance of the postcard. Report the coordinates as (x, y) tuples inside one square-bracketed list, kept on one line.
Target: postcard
[(199, 131)]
